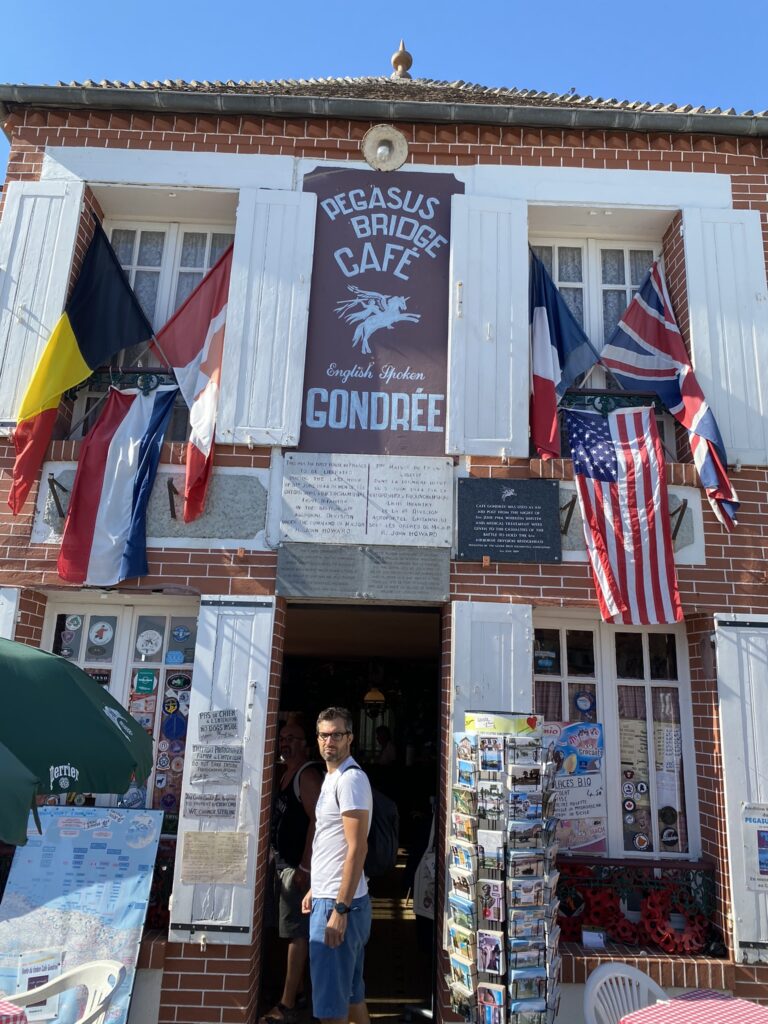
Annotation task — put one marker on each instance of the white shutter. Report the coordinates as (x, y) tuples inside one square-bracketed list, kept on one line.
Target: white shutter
[(742, 685), (9, 607), (492, 658), (488, 376), (37, 239), (232, 663), (266, 336), (728, 306)]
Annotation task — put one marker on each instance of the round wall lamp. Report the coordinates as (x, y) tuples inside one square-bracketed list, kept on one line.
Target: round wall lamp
[(384, 147)]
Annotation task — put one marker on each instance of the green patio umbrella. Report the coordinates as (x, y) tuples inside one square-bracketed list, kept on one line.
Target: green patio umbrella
[(65, 727), (18, 789)]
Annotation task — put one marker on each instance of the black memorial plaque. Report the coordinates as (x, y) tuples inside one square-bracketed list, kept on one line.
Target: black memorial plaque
[(509, 520), (373, 572)]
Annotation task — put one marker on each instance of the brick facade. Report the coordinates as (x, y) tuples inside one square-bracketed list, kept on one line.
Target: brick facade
[(221, 985)]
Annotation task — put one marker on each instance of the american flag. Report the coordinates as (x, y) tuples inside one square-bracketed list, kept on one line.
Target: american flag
[(646, 352), (618, 465)]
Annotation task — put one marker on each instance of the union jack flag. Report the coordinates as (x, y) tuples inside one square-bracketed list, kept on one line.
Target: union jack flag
[(618, 466), (647, 353)]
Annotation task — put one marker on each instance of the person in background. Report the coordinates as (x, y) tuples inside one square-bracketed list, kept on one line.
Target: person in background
[(292, 832), (388, 751), (338, 901)]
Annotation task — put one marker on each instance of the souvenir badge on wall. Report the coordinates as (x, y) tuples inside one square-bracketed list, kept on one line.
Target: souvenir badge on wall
[(377, 343)]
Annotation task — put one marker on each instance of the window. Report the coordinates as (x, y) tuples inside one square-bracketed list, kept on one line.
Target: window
[(634, 681), (597, 278), (144, 655), (165, 262)]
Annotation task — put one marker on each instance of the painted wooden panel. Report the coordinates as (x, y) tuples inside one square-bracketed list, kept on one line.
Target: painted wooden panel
[(728, 303), (232, 663), (37, 240), (492, 657), (9, 607), (266, 337), (742, 685), (488, 343)]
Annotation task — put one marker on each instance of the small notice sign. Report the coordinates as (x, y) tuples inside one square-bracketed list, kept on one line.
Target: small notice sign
[(210, 805), (754, 826), (216, 763), (221, 724), (214, 858)]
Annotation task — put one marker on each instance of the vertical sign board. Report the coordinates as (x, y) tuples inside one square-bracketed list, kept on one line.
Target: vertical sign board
[(215, 873), (742, 686), (377, 344)]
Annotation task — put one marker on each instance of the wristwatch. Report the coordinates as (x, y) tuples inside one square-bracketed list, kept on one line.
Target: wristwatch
[(341, 908)]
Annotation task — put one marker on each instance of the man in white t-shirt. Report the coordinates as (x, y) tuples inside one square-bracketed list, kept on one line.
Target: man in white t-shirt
[(338, 899)]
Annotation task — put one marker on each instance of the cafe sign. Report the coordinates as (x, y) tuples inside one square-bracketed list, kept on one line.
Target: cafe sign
[(377, 343)]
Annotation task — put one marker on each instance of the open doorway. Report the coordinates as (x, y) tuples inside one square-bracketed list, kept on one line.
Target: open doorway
[(383, 664)]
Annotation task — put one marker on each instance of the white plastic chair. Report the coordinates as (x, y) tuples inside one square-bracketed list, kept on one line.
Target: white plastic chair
[(614, 990), (100, 977)]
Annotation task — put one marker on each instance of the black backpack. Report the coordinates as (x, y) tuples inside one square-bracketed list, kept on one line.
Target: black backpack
[(383, 834)]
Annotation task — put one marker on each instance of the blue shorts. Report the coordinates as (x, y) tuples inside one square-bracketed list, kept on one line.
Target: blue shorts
[(337, 974)]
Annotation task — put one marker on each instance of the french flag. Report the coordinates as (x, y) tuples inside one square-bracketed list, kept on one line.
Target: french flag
[(105, 538), (560, 351)]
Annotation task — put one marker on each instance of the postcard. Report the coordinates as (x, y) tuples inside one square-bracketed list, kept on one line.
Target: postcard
[(527, 982), (462, 940), (463, 971), (466, 774), (525, 864), (524, 805), (525, 892), (465, 746), (463, 882), (464, 827), (463, 801), (490, 899), (523, 776), (463, 911), (462, 854), (490, 753), (490, 1003), (490, 952), (490, 799), (490, 849), (462, 999)]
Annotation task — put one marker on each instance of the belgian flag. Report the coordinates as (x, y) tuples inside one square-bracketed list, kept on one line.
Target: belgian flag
[(102, 317)]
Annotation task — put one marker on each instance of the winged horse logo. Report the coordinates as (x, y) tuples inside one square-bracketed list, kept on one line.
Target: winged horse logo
[(372, 311)]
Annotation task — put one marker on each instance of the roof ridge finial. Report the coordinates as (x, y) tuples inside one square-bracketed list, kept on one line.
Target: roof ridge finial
[(401, 62)]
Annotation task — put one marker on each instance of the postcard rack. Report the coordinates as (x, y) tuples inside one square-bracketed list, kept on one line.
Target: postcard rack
[(501, 932)]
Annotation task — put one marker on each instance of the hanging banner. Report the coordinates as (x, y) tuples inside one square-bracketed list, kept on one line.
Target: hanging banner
[(377, 344)]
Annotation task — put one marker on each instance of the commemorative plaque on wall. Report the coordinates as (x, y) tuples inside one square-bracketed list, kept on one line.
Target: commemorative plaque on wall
[(509, 520)]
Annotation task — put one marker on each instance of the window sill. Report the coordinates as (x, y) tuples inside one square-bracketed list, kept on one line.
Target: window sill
[(670, 971)]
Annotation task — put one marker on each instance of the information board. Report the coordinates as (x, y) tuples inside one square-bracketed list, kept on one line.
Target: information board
[(509, 520), (82, 888)]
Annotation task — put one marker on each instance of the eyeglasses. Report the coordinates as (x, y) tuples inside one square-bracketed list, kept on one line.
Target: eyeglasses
[(337, 737)]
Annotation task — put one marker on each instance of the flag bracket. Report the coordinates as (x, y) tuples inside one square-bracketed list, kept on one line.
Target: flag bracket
[(569, 509), (677, 517), (171, 493), (53, 488)]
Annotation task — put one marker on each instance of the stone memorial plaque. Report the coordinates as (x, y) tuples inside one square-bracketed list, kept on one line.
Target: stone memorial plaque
[(364, 499), (217, 762), (376, 573), (210, 805), (221, 724), (509, 520)]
